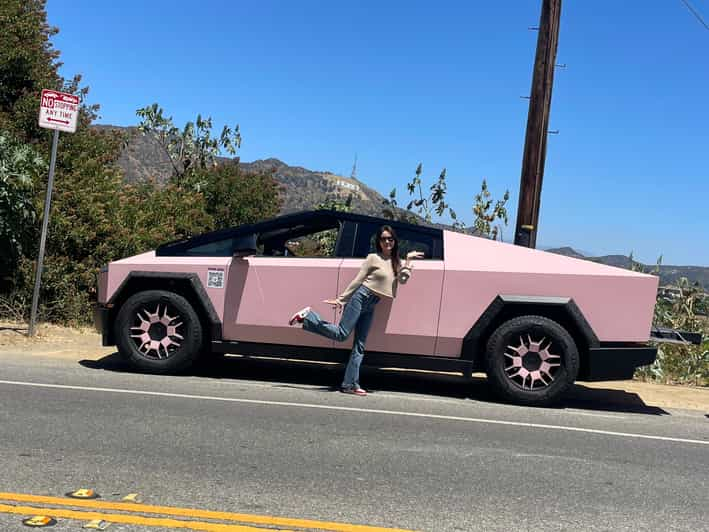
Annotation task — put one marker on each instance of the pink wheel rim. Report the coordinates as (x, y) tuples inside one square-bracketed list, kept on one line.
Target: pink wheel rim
[(156, 335), (532, 364)]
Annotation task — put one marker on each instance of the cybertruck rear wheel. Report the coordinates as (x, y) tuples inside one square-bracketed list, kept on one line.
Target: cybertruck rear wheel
[(531, 360), (159, 332)]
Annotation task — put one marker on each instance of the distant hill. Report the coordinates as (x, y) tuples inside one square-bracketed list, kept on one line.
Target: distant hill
[(668, 274), (304, 188), (143, 158), (566, 251)]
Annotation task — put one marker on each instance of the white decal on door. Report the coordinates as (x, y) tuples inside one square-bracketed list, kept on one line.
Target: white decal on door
[(215, 278)]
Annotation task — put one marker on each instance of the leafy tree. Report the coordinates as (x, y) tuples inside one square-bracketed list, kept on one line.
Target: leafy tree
[(28, 63), (677, 363), (421, 207), (486, 213), (20, 167), (151, 215), (192, 148), (702, 306), (333, 203), (392, 211), (424, 206), (682, 310), (233, 197)]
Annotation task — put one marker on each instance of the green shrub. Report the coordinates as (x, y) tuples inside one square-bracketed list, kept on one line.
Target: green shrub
[(682, 364), (20, 167), (233, 197), (679, 365), (422, 207)]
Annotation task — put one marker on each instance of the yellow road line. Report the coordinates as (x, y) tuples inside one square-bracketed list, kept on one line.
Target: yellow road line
[(194, 513), (128, 519)]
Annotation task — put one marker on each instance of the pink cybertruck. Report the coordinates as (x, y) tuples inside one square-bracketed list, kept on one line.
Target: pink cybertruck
[(533, 321)]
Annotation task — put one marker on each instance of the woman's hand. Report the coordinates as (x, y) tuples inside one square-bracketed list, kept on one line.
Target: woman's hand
[(335, 303), (414, 255)]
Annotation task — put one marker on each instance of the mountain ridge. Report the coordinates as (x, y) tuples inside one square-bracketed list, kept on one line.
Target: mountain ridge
[(669, 274), (143, 158)]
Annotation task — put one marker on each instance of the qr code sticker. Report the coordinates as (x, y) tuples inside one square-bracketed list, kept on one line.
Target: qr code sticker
[(215, 279)]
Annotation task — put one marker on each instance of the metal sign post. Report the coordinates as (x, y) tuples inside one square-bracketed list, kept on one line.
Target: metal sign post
[(43, 239), (57, 111)]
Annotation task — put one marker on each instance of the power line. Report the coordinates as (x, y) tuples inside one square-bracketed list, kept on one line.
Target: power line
[(695, 13)]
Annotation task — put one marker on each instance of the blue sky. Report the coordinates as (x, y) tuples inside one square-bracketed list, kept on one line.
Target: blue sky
[(398, 83)]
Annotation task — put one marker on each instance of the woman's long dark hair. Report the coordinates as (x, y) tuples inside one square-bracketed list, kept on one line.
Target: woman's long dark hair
[(395, 260)]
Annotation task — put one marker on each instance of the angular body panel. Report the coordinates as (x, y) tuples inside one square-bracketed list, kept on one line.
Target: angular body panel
[(617, 303), (119, 270), (263, 292)]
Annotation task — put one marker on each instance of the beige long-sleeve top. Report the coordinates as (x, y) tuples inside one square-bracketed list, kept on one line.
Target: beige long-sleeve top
[(377, 274)]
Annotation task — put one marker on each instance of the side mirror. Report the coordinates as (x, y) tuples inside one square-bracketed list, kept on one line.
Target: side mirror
[(244, 246)]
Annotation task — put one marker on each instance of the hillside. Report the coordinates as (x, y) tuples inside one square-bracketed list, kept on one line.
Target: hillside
[(304, 189), (143, 158), (668, 274)]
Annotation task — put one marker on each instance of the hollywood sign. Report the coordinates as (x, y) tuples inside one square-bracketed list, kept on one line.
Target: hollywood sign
[(350, 186)]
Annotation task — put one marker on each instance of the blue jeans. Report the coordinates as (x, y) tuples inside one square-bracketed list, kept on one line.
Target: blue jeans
[(357, 316)]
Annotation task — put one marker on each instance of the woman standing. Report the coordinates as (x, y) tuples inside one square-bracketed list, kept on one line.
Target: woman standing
[(379, 277)]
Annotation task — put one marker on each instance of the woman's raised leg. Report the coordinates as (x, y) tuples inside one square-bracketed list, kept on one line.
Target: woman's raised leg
[(314, 323)]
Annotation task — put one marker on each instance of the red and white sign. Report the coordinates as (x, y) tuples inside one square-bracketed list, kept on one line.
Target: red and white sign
[(58, 110)]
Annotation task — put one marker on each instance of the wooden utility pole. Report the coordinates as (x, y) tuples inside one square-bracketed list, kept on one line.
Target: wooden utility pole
[(535, 142)]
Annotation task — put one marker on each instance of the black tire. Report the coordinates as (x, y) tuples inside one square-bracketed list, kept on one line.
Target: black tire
[(178, 348), (524, 378)]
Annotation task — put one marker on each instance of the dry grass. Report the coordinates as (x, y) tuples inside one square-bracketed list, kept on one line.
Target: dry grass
[(14, 333)]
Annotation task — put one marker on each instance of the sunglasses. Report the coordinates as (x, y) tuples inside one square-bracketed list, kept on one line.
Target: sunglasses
[(388, 239)]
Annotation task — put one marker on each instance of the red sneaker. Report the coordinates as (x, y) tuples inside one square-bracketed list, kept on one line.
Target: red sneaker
[(354, 391), (299, 316)]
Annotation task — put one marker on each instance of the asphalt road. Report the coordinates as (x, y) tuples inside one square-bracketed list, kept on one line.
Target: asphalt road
[(270, 438)]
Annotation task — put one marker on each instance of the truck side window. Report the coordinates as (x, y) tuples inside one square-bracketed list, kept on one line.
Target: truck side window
[(409, 240), (299, 241)]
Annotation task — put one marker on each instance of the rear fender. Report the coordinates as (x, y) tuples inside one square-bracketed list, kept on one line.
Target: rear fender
[(562, 310)]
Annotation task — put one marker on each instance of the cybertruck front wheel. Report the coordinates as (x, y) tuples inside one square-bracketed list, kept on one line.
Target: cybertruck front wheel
[(158, 331), (531, 360)]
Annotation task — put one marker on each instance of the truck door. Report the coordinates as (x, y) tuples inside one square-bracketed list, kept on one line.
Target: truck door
[(295, 267)]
